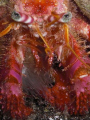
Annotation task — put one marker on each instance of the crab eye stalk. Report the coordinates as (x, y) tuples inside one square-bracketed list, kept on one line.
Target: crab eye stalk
[(66, 17), (15, 16), (23, 18)]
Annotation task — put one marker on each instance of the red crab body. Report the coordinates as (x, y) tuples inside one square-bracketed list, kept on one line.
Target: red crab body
[(39, 7), (41, 42)]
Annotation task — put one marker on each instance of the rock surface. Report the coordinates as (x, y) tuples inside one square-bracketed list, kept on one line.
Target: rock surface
[(84, 6)]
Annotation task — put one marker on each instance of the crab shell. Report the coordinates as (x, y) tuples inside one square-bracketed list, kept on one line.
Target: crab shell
[(40, 8)]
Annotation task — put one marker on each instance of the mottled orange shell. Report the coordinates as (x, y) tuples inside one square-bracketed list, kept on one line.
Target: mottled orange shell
[(40, 6)]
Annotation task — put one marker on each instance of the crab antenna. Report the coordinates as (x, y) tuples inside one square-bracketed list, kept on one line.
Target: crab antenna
[(62, 18), (49, 24), (4, 32), (40, 34), (68, 44)]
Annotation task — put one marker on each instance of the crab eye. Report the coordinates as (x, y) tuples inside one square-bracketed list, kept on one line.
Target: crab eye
[(23, 18), (15, 16), (66, 17)]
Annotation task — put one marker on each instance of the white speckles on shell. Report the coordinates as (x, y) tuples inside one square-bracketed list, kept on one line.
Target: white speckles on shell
[(44, 34), (56, 117), (51, 118), (30, 25), (46, 17), (82, 76), (16, 26), (61, 7), (51, 18), (20, 55), (60, 52), (36, 35), (85, 31), (24, 70)]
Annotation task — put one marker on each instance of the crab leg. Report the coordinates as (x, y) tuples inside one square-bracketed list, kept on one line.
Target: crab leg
[(4, 32), (68, 44), (40, 34), (62, 18)]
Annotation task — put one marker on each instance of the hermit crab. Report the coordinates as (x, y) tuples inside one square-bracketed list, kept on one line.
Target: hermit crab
[(43, 54)]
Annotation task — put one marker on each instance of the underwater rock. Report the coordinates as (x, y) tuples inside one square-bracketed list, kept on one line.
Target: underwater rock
[(84, 6)]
